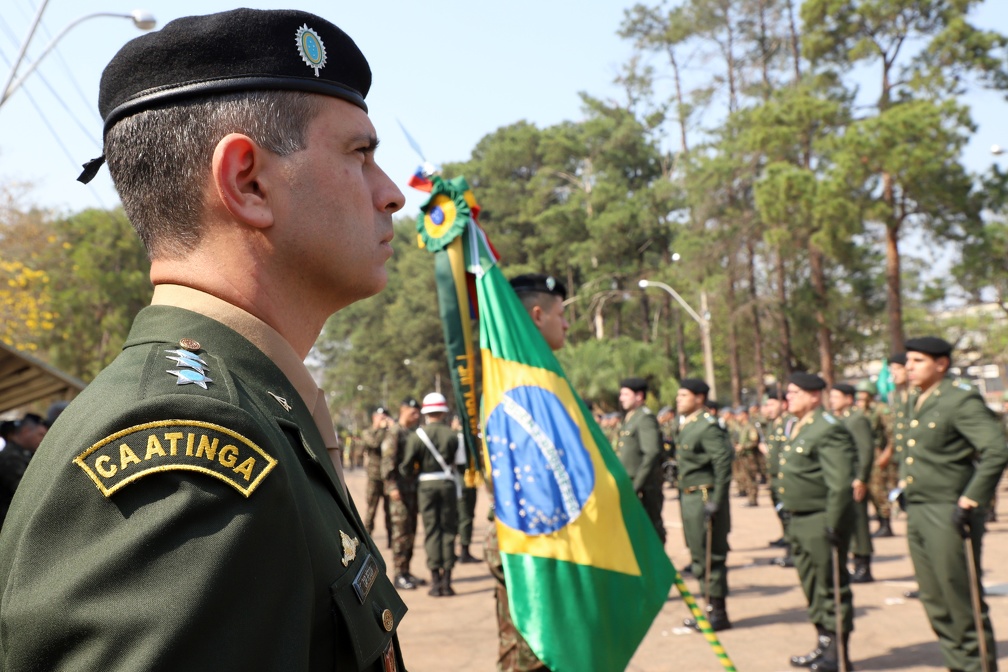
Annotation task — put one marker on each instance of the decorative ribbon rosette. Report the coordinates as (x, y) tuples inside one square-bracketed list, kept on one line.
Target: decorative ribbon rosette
[(446, 213)]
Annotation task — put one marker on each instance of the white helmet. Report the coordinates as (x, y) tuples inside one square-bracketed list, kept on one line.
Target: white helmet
[(434, 402)]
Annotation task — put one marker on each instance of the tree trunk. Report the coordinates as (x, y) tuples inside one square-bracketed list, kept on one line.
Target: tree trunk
[(894, 303), (787, 356), (757, 332), (681, 344), (822, 303), (734, 363)]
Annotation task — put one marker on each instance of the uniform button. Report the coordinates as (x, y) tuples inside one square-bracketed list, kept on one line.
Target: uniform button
[(912, 443), (909, 479), (387, 621), (913, 423), (783, 461), (899, 449), (899, 436), (780, 475), (787, 449), (780, 490), (931, 425), (798, 449), (909, 460)]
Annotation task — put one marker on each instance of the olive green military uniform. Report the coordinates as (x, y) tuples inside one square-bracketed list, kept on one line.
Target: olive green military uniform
[(954, 447), (372, 439), (166, 525), (436, 493), (705, 459), (640, 451), (776, 437), (814, 485), (746, 442), (403, 512), (858, 424)]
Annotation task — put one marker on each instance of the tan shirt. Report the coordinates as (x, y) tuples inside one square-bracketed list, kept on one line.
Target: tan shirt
[(273, 345)]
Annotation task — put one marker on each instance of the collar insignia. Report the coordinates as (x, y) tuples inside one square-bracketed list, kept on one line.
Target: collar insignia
[(310, 48), (280, 400), (192, 369), (349, 547)]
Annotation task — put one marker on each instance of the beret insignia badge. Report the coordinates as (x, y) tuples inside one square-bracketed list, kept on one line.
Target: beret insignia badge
[(310, 48)]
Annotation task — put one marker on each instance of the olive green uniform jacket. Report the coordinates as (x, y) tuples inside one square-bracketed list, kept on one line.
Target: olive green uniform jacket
[(437, 493), (640, 451), (162, 526)]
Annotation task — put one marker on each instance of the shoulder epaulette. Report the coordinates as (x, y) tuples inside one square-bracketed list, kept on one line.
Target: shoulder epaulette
[(828, 417)]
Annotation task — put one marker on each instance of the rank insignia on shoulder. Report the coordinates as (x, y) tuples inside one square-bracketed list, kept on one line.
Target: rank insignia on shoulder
[(168, 445), (280, 400), (192, 368), (829, 418), (349, 547)]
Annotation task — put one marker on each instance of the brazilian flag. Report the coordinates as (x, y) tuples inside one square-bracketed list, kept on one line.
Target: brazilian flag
[(585, 571)]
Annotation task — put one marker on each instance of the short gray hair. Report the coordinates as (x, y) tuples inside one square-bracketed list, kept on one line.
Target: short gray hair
[(160, 158)]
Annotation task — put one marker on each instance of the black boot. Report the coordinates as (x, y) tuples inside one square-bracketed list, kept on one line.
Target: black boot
[(824, 639), (416, 580), (716, 615), (884, 529), (446, 588), (830, 660), (435, 583), (862, 569), (465, 556)]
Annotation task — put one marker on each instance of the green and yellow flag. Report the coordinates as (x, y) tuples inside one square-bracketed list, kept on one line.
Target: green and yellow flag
[(585, 571)]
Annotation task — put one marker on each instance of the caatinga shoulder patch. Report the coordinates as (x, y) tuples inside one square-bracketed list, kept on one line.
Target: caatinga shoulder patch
[(167, 445)]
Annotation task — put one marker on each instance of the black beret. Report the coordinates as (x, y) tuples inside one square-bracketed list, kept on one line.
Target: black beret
[(694, 385), (634, 384), (807, 381), (380, 410), (930, 345), (238, 50), (411, 402), (537, 282), (711, 404), (845, 388), (898, 358)]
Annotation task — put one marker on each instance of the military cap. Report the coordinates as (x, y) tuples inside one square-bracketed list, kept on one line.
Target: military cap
[(380, 410), (930, 345), (866, 386), (807, 381), (694, 385), (898, 358), (434, 402), (411, 402), (711, 404), (634, 384), (773, 392), (845, 388), (228, 52), (538, 283)]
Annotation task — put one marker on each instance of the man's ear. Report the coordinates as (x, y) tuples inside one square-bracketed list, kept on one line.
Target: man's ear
[(241, 180), (537, 315)]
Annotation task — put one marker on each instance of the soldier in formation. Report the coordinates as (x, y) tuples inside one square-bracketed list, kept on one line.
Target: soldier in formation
[(955, 453), (431, 454), (705, 459), (816, 471), (775, 412), (402, 493), (842, 404), (640, 449), (372, 439), (884, 473), (745, 440)]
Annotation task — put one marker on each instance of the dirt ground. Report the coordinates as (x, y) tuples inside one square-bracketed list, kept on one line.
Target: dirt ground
[(766, 604)]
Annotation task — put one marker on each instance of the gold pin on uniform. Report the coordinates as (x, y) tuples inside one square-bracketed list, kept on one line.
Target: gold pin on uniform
[(349, 547)]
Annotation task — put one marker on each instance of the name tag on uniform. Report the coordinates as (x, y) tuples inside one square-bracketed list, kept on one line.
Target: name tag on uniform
[(365, 578)]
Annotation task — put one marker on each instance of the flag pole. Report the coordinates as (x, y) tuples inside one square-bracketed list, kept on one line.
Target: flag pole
[(705, 629)]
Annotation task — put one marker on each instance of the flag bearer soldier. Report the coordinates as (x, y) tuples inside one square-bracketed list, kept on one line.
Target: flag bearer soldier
[(402, 494), (955, 454), (705, 459), (816, 473), (640, 449), (843, 406), (543, 297), (195, 466), (430, 457), (781, 421), (372, 439)]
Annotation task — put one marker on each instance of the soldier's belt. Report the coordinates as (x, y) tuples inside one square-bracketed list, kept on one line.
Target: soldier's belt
[(693, 488), (439, 476)]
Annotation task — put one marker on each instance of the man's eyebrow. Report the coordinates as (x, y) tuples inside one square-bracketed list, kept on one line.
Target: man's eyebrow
[(369, 139)]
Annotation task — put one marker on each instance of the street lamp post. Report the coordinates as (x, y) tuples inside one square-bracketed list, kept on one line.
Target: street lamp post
[(702, 320), (142, 19)]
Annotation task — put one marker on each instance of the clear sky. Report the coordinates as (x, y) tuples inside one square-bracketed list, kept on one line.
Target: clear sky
[(450, 71)]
